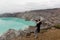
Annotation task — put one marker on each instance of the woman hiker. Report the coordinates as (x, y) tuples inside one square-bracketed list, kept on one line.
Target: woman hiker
[(37, 30)]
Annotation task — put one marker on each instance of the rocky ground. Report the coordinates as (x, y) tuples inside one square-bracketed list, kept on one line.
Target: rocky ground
[(45, 34), (51, 34)]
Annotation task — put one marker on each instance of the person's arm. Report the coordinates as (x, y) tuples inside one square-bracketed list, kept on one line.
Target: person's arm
[(38, 21)]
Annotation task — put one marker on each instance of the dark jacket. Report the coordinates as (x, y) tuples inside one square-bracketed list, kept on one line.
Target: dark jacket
[(38, 26)]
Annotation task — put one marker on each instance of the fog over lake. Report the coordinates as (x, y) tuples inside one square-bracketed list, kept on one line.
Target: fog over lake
[(26, 5)]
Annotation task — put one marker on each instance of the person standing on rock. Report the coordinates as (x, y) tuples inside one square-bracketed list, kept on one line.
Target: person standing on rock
[(38, 25)]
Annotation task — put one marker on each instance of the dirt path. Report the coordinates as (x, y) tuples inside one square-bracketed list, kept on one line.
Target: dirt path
[(48, 35)]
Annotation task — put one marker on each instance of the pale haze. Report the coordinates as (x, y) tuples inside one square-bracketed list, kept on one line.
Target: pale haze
[(26, 5)]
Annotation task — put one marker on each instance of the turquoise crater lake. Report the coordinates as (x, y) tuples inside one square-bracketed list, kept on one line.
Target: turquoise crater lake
[(7, 23)]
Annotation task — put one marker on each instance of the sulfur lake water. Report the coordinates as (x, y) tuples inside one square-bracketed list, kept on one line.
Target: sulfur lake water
[(7, 23)]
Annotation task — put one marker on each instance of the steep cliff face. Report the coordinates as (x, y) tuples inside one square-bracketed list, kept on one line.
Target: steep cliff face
[(51, 15)]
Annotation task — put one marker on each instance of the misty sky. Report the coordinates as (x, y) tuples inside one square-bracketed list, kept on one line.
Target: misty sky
[(24, 5)]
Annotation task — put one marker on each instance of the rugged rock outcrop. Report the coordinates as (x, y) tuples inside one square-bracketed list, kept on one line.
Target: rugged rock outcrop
[(12, 33), (9, 34)]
